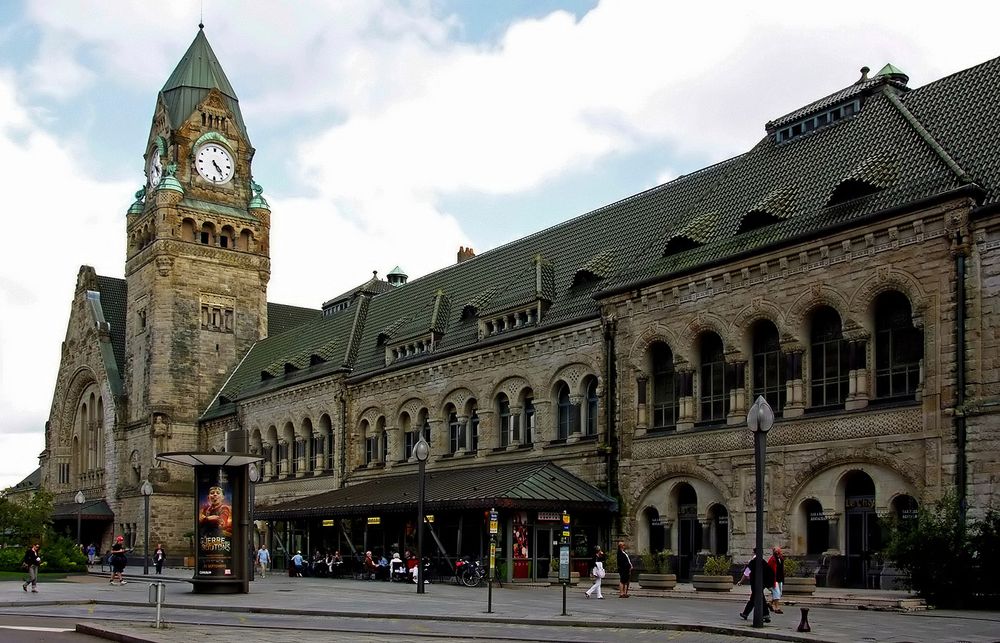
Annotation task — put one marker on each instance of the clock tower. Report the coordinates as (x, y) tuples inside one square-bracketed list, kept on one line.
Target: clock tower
[(197, 264)]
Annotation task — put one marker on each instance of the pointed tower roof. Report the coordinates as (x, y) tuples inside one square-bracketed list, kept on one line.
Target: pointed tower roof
[(196, 74)]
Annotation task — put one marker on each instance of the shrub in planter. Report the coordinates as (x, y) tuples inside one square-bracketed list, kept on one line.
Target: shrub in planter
[(796, 581), (656, 573), (716, 576)]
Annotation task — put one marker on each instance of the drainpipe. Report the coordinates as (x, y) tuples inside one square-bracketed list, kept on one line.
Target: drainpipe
[(961, 471), (611, 452), (342, 460)]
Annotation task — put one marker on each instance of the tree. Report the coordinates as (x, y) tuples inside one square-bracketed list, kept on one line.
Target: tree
[(25, 519)]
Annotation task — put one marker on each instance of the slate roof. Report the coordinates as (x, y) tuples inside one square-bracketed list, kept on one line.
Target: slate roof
[(282, 317), (534, 485), (114, 299), (196, 74), (903, 147)]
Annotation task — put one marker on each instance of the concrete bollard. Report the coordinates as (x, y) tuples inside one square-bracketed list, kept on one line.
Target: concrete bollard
[(804, 623)]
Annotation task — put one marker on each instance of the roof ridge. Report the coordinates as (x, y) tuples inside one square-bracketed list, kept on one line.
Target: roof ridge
[(926, 136)]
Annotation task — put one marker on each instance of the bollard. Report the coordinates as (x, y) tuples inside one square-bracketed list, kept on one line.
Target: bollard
[(804, 623), (157, 592)]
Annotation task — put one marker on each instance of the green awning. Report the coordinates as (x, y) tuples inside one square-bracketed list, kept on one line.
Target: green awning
[(528, 486)]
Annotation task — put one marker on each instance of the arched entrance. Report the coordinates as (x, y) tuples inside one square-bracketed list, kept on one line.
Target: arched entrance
[(719, 534), (863, 537), (688, 530), (817, 527)]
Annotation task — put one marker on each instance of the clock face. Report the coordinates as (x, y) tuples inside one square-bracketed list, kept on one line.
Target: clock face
[(154, 168), (214, 163)]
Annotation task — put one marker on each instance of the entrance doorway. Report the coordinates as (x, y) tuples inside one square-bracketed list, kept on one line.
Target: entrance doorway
[(545, 549), (863, 534), (657, 540), (688, 530)]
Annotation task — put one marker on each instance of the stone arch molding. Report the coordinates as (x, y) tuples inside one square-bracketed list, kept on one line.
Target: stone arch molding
[(81, 379), (511, 387), (371, 414), (758, 309), (458, 396), (640, 347), (412, 407), (573, 374), (666, 477), (701, 323), (814, 297), (888, 279)]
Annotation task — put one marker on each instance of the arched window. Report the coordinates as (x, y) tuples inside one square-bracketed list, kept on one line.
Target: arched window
[(768, 365), (326, 432), (817, 527), (529, 418), (383, 441), (564, 420), (591, 425), (828, 355), (506, 425), (666, 391), (899, 347), (309, 444), (474, 431), (409, 436), (714, 385), (456, 432), (370, 445)]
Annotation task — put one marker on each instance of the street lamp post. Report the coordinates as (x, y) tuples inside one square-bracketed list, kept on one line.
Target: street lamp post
[(253, 473), (421, 451), (760, 418), (147, 490), (79, 498)]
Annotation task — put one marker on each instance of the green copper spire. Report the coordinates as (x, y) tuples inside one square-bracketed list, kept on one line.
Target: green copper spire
[(894, 73), (196, 74)]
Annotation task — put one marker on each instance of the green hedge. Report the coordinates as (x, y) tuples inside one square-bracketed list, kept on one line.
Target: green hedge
[(58, 555)]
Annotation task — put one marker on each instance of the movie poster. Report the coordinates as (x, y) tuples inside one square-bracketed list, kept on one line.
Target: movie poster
[(520, 535), (215, 520)]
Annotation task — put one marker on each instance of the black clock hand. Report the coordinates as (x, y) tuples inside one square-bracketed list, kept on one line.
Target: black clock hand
[(217, 166)]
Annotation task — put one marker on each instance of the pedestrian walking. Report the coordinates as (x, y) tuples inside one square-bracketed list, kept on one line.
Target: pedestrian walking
[(263, 560), (31, 561), (158, 557), (750, 573), (91, 555), (597, 573), (296, 569), (118, 561), (777, 564), (624, 570)]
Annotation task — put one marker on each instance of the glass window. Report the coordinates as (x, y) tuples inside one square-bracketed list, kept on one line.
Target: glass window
[(899, 347), (828, 356), (529, 420), (713, 381), (666, 391), (591, 428), (456, 434), (768, 365), (564, 420), (474, 432), (503, 411)]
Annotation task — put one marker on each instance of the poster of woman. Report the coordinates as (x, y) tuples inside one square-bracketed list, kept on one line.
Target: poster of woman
[(215, 522)]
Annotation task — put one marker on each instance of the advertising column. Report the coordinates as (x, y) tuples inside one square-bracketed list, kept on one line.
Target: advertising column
[(215, 491)]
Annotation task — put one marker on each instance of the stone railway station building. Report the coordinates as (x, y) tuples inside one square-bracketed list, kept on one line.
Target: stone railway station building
[(845, 268)]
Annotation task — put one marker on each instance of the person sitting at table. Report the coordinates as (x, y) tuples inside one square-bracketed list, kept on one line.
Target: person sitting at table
[(397, 568), (369, 566), (382, 571)]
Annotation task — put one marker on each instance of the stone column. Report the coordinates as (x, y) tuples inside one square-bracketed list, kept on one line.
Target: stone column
[(488, 437), (267, 450), (738, 394), (463, 435), (686, 412), (516, 413), (794, 390), (574, 418), (395, 446), (545, 428), (641, 407), (439, 438), (857, 396), (283, 462), (318, 449), (300, 456)]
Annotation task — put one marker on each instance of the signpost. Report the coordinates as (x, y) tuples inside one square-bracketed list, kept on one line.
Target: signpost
[(564, 571), (493, 561)]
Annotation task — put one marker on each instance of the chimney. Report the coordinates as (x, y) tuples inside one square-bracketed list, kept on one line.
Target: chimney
[(464, 254)]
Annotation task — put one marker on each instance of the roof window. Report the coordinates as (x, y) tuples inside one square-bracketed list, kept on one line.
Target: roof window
[(816, 121)]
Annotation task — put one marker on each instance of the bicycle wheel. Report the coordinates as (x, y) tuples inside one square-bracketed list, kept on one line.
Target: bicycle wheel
[(469, 578)]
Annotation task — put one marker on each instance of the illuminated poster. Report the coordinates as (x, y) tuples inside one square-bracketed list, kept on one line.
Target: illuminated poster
[(520, 534), (215, 521)]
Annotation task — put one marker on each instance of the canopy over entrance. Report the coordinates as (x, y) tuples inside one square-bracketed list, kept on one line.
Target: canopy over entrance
[(90, 510), (533, 485)]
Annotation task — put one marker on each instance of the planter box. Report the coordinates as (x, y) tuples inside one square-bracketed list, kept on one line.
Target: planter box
[(189, 561), (704, 583), (657, 581), (798, 585)]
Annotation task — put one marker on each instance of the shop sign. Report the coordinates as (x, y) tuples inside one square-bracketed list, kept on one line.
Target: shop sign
[(817, 516), (723, 520), (861, 502), (374, 520), (549, 516), (429, 518), (328, 522)]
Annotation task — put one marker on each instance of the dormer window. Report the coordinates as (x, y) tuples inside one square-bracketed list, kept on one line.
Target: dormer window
[(816, 121)]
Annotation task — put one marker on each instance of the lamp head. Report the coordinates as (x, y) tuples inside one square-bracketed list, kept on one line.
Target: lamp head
[(146, 489), (79, 498), (421, 450)]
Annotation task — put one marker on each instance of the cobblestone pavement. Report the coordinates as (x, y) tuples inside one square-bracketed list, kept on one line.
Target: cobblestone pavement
[(279, 608)]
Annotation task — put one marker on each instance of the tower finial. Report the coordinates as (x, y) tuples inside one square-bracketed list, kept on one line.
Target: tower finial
[(201, 17)]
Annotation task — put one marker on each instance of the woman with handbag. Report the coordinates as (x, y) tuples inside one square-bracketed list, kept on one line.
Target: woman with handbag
[(597, 573)]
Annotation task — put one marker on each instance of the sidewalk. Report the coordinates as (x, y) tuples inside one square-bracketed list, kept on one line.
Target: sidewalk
[(317, 605)]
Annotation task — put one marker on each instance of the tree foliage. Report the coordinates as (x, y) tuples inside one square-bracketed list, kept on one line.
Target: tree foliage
[(947, 566), (25, 520)]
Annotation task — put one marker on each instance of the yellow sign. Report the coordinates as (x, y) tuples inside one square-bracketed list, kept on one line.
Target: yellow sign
[(429, 518), (493, 527), (374, 520), (328, 522), (493, 555)]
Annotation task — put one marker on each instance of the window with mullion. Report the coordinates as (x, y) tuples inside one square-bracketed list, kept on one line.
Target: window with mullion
[(503, 411), (899, 347), (384, 446), (666, 389), (591, 428), (714, 392), (564, 421), (409, 440), (456, 436), (370, 449), (768, 366), (474, 432), (829, 368), (529, 420)]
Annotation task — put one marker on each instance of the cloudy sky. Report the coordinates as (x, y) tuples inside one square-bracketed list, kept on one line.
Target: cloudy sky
[(393, 132)]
